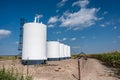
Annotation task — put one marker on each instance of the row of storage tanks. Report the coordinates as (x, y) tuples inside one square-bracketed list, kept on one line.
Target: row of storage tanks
[(36, 48)]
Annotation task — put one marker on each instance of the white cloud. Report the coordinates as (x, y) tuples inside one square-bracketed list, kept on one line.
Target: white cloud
[(64, 39), (52, 20), (105, 24), (115, 27), (62, 3), (102, 25), (80, 3), (83, 18), (4, 33), (73, 39), (80, 19), (59, 32), (17, 43), (57, 11), (50, 25), (105, 12)]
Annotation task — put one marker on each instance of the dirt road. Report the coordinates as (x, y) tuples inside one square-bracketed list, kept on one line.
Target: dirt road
[(91, 69), (94, 70)]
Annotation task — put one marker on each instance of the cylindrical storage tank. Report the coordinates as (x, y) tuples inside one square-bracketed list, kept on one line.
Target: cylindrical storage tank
[(69, 52), (61, 51), (53, 50), (34, 43), (65, 51)]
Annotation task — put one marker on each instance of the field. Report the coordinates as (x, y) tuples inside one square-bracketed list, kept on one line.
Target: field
[(9, 57), (91, 68), (110, 58)]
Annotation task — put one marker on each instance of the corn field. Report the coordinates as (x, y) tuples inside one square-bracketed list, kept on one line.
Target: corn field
[(110, 58)]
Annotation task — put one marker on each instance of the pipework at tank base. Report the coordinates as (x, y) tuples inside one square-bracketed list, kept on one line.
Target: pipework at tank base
[(31, 62), (67, 57), (53, 59), (62, 58)]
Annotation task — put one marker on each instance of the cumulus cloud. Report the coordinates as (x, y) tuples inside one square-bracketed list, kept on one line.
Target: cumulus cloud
[(84, 17), (17, 42), (53, 20), (105, 12), (73, 39), (102, 25), (105, 24), (80, 3), (4, 33), (115, 27), (50, 25), (57, 11), (64, 39), (62, 3), (59, 32), (109, 23)]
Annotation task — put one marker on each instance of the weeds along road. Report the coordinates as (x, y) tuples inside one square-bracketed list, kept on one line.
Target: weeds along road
[(91, 69)]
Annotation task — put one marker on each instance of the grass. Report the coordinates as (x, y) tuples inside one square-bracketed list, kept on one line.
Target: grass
[(12, 74), (9, 57)]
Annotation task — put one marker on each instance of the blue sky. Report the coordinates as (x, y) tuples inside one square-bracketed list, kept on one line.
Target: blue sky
[(90, 26)]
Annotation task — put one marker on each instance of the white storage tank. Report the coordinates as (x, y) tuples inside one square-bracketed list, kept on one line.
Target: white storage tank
[(53, 50), (69, 52), (65, 51), (34, 43), (61, 51)]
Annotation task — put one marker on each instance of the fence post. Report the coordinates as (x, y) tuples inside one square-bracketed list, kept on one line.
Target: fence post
[(79, 70)]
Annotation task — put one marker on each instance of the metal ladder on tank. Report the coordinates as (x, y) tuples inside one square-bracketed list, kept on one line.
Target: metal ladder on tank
[(20, 46)]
